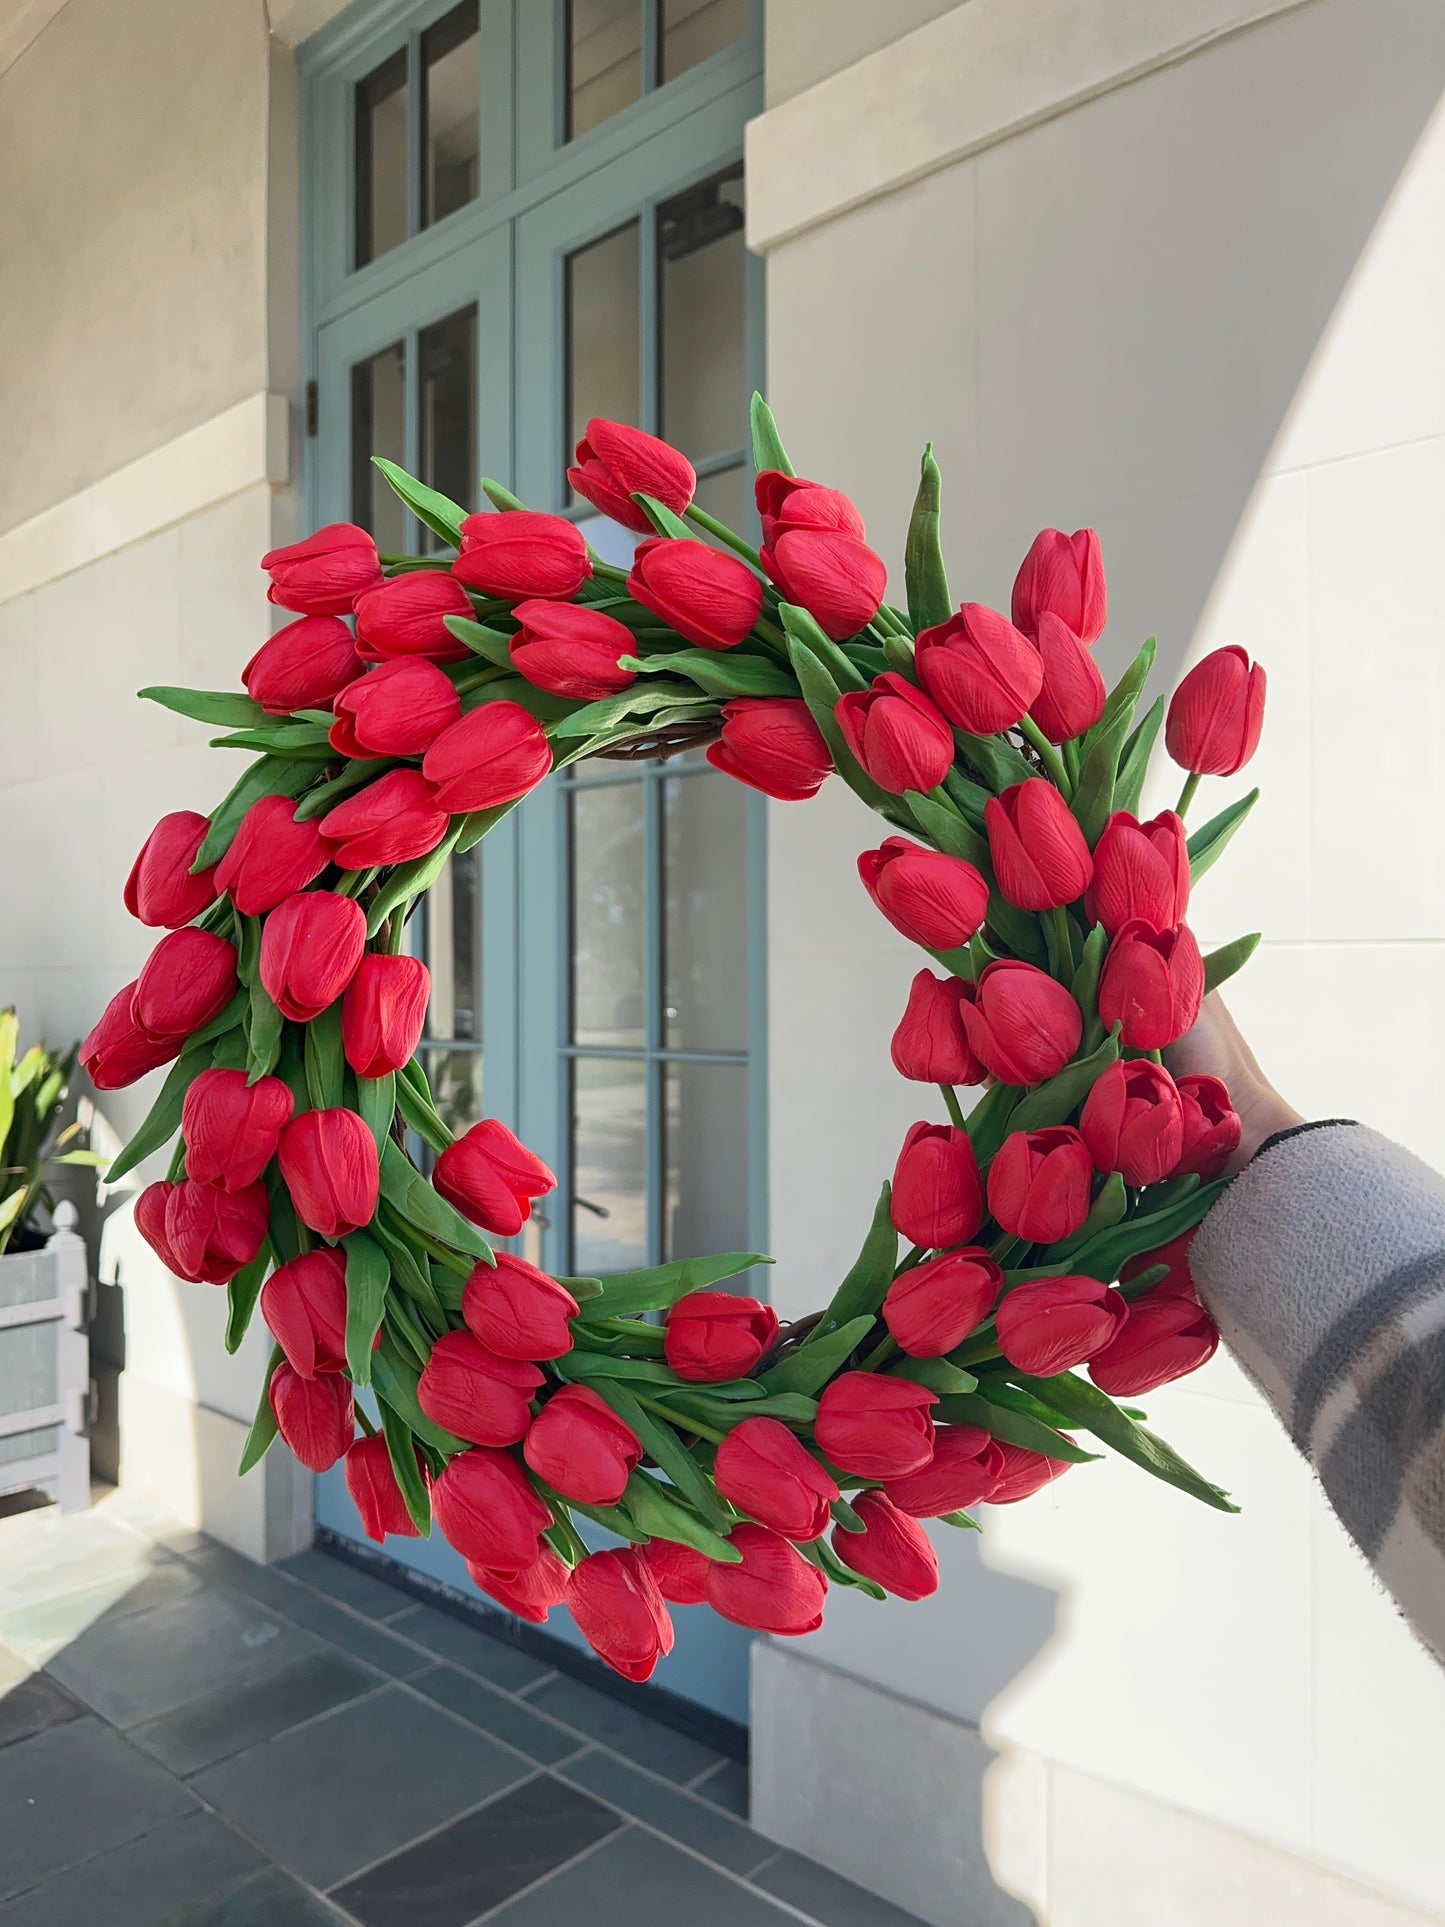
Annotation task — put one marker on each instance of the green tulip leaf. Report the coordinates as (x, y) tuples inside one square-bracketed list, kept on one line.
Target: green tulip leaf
[(434, 511), (866, 1285), (223, 706), (1056, 1101), (368, 1274), (1134, 763), (490, 644), (719, 674), (241, 1294), (667, 1451), (654, 1511), (986, 1408), (660, 1286), (264, 1429), (1084, 1404), (414, 1200), (1220, 965), (923, 571), (1208, 843), (401, 1450), (768, 450), (820, 1357)]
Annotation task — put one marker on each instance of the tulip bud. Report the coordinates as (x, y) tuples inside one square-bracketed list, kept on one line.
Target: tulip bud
[(375, 1492), (1179, 1279), (1039, 854), (1152, 984), (793, 502), (118, 1051), (1072, 697), (829, 572), (160, 890), (188, 979), (930, 1044), (329, 1165), (614, 462), (935, 900), (1133, 1122), (1140, 870), (571, 651), (486, 1509), (710, 598), (520, 554), (1039, 1184), (773, 1590), (710, 1336), (470, 1391), (383, 1012), (1063, 575), (898, 735), (530, 1593), (316, 1417), (231, 1128), (680, 1572), (1055, 1323), (407, 618), (892, 1550), (271, 856), (1216, 714), (966, 1466), (1212, 1127), (398, 709), (304, 1306), (1021, 1024), (874, 1426), (763, 1470), (495, 754), (772, 744), (979, 670), (1165, 1336), (937, 1194), (303, 666), (581, 1448), (933, 1308), (1024, 1473), (518, 1311), (393, 820), (491, 1178), (150, 1221), (201, 1233), (618, 1610), (324, 574), (311, 947)]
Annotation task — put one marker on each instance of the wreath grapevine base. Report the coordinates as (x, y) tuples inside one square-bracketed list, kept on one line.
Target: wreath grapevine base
[(738, 1463)]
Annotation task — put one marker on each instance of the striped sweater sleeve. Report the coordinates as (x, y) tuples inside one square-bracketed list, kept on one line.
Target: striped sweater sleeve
[(1324, 1265)]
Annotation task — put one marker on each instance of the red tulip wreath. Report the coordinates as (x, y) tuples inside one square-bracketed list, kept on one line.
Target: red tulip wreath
[(413, 702)]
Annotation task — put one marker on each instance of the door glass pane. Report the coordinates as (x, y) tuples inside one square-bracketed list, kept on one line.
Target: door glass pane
[(454, 949), (450, 109), (608, 918), (604, 327), (378, 427), (381, 159), (456, 1085), (694, 29), (604, 61), (447, 356), (609, 1163), (705, 913), (700, 270), (706, 1206)]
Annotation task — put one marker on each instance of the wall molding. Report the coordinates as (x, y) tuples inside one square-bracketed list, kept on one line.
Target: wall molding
[(244, 444), (961, 83)]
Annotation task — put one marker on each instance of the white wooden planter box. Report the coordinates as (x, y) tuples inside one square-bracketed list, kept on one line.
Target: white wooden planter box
[(45, 1384)]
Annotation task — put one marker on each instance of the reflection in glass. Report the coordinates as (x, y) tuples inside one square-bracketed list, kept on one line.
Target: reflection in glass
[(693, 30), (609, 1163), (454, 949), (700, 269), (450, 109), (705, 913), (447, 361), (604, 324), (604, 61), (381, 159), (378, 427), (608, 920), (706, 1160), (456, 1086)]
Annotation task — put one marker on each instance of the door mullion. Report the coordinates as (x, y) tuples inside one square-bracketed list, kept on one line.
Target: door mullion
[(649, 343), (652, 981)]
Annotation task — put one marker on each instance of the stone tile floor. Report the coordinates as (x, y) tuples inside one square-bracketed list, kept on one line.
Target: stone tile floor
[(191, 1740)]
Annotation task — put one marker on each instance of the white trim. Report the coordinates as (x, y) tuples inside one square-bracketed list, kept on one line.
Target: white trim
[(292, 21), (245, 444), (961, 83)]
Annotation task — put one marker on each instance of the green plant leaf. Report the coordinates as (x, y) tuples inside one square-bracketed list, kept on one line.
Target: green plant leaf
[(376, 1105), (433, 511), (722, 674), (411, 879), (1084, 1404), (866, 1285), (923, 570), (947, 830), (267, 776), (264, 1032), (223, 706), (701, 1402), (768, 450), (819, 1553), (659, 1286), (1208, 843), (241, 1295), (1107, 1210), (358, 770), (667, 1450), (801, 626), (325, 1064), (984, 1408), (936, 1374), (264, 1429), (581, 1363), (394, 1379), (643, 700), (411, 1273), (283, 739), (653, 1510), (817, 1360), (1055, 1101), (1103, 748), (991, 1120), (1134, 763), (401, 1450), (1102, 1257), (490, 644), (421, 1116), (1220, 965), (163, 1119), (368, 1274), (414, 1200), (663, 519)]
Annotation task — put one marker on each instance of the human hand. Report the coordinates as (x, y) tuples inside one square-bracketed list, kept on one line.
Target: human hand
[(1216, 1048)]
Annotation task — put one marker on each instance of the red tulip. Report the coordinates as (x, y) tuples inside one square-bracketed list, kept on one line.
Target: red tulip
[(491, 1178), (1039, 1184), (934, 1307), (793, 502), (773, 1590), (399, 709), (710, 598), (311, 947), (520, 554), (680, 1572), (772, 744), (517, 1310), (1152, 984), (304, 1306), (897, 735), (581, 1448), (329, 1165), (935, 900), (875, 1427), (1212, 1127), (1072, 698), (937, 1194), (1133, 1122), (407, 618), (231, 1128), (188, 979), (572, 651), (383, 1012), (1039, 854), (930, 1045), (618, 1610), (1216, 714), (1022, 1026), (1064, 575), (117, 1051), (325, 573), (303, 666), (1165, 1336), (979, 670), (710, 1336), (530, 1593), (966, 1466), (203, 1234), (316, 1417), (829, 572), (470, 1391), (375, 1492), (486, 1509), (1024, 1473), (614, 462), (393, 820), (1055, 1323), (160, 890), (271, 856), (765, 1471), (495, 754), (1141, 870), (892, 1550), (1179, 1279)]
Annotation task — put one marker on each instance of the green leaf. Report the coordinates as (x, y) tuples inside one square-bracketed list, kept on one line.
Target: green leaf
[(991, 1120), (1220, 965), (1084, 1404), (540, 703), (264, 1033), (1103, 747), (846, 1517), (376, 1105), (367, 1275), (663, 519), (800, 626), (946, 829), (411, 1272), (962, 1519), (819, 1357), (1207, 844), (721, 674), (667, 1450), (285, 739), (394, 1379), (1055, 1101), (793, 1408), (401, 1450), (325, 1064), (654, 1511), (1106, 1211), (768, 450), (642, 700), (490, 644), (984, 1408), (1103, 1257), (163, 1119), (581, 1363), (358, 770), (241, 1295), (934, 1373), (867, 1282), (433, 511), (1085, 986), (285, 1231), (923, 570), (223, 706), (411, 879), (1134, 763), (421, 1116), (267, 776), (263, 1427), (819, 1553), (500, 497), (476, 824), (662, 1285), (414, 1200)]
